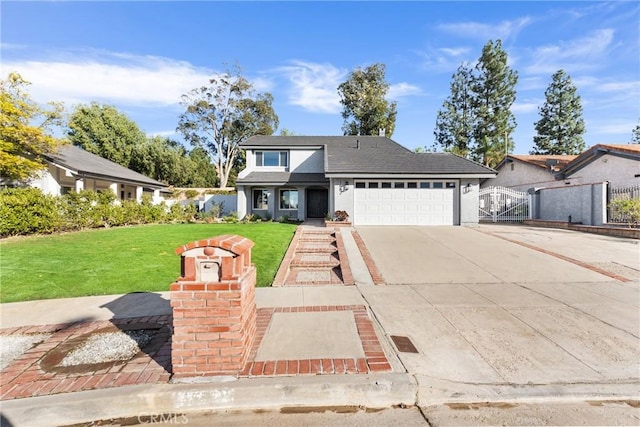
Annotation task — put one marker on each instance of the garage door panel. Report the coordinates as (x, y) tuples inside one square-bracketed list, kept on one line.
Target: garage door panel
[(403, 206)]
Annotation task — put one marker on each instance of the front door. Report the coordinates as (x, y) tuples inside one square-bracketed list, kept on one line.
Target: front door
[(317, 202)]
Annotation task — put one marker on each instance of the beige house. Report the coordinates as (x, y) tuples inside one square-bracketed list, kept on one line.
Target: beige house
[(521, 172), (619, 165), (74, 169)]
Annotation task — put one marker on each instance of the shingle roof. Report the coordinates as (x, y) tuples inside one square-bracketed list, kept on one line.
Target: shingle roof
[(282, 178), (373, 155), (89, 165)]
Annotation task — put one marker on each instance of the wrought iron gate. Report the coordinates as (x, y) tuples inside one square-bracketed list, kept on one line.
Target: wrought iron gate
[(503, 204)]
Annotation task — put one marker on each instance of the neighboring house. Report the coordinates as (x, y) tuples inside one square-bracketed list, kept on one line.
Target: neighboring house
[(374, 179), (74, 169), (522, 172), (619, 165)]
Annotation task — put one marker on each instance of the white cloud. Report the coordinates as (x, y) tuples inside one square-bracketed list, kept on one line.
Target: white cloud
[(109, 77), (162, 133), (314, 85), (573, 55), (454, 51), (618, 127), (482, 31), (398, 90), (445, 59), (525, 107)]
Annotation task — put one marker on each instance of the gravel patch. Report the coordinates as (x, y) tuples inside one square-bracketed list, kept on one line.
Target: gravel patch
[(14, 346), (108, 347)]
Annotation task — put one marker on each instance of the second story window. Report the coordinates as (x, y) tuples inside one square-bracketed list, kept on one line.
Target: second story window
[(272, 158)]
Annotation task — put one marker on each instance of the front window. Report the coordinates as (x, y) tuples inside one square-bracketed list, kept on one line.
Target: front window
[(289, 199), (272, 158), (260, 200)]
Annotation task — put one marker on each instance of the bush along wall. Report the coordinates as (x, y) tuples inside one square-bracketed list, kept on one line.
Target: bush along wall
[(26, 211)]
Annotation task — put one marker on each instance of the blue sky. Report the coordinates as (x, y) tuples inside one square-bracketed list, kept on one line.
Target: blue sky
[(142, 56)]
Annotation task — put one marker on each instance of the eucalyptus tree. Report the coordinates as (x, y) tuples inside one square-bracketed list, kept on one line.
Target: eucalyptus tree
[(221, 114), (365, 107)]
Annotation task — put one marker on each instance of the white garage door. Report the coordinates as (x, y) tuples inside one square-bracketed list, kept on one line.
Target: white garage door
[(404, 203)]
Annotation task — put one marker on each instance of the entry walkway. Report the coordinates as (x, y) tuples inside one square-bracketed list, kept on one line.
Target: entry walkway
[(316, 256)]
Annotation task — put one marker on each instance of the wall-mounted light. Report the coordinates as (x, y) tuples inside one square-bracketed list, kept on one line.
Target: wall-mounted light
[(467, 188), (344, 186)]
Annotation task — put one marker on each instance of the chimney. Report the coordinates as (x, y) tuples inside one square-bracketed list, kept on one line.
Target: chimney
[(381, 132)]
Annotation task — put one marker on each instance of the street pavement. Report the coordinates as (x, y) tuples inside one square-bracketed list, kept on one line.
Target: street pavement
[(545, 341)]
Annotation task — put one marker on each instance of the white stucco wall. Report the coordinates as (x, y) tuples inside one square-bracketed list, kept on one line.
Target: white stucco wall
[(300, 161), (617, 170), (469, 198), (341, 200), (306, 161)]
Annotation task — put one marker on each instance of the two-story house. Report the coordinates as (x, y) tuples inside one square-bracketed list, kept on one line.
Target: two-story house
[(374, 179)]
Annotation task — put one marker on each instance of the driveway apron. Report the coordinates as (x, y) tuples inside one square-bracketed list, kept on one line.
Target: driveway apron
[(484, 311)]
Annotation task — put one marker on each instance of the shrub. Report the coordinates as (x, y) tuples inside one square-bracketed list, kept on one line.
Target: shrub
[(28, 211), (191, 194), (232, 217), (629, 208)]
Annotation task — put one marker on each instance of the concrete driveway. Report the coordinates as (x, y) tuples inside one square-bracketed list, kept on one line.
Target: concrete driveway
[(495, 319)]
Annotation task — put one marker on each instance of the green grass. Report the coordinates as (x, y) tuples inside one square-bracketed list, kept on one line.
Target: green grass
[(121, 260)]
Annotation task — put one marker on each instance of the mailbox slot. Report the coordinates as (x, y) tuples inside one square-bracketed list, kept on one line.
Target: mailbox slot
[(208, 271)]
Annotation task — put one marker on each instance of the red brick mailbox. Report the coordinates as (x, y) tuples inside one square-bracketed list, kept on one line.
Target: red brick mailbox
[(214, 309)]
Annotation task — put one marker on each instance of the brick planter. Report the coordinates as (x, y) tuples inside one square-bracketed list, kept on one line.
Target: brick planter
[(337, 223), (214, 309)]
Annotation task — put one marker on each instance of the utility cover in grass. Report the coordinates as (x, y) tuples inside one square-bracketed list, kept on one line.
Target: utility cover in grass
[(311, 335)]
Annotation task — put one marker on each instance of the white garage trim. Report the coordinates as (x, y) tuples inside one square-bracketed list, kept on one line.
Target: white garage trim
[(412, 202)]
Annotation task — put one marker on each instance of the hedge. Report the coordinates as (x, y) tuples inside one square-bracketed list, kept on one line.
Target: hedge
[(29, 211)]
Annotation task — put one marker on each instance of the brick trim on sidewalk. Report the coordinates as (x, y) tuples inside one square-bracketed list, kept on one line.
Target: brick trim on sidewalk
[(26, 377), (374, 360), (376, 276)]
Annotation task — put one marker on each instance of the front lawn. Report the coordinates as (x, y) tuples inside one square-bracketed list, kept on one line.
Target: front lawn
[(121, 260)]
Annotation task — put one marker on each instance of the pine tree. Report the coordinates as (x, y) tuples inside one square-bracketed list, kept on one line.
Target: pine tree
[(454, 124), (560, 128), (494, 92), (635, 135)]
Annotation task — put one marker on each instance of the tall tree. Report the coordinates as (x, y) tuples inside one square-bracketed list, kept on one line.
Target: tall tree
[(560, 128), (455, 120), (635, 135), (24, 127), (105, 131), (365, 108), (494, 88), (222, 114), (204, 172)]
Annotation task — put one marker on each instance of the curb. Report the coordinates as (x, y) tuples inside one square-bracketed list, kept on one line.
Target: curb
[(367, 391)]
